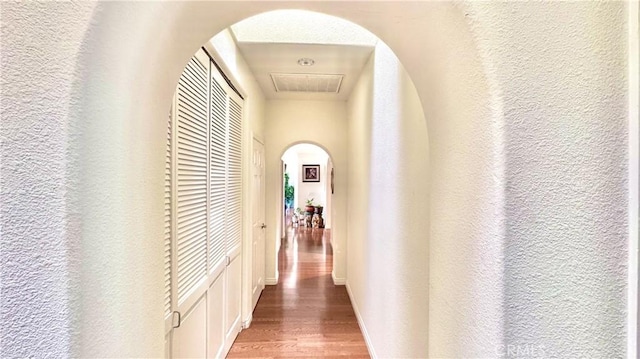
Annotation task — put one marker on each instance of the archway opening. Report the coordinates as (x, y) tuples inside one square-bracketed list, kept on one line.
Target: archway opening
[(453, 45), (308, 79), (342, 88), (307, 187)]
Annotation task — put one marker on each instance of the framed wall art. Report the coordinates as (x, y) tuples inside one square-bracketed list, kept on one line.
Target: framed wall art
[(310, 173)]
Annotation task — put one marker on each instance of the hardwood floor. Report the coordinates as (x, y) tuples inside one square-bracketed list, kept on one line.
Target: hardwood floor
[(305, 315)]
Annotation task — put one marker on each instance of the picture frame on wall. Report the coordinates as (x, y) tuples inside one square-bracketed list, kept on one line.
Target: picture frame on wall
[(310, 173)]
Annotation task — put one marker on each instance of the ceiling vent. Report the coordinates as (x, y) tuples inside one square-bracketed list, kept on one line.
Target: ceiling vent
[(324, 83)]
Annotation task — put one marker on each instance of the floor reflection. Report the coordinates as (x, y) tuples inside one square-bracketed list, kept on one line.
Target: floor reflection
[(305, 315)]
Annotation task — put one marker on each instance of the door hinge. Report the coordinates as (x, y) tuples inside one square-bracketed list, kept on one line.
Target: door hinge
[(176, 320)]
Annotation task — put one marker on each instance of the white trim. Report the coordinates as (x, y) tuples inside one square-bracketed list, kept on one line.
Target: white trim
[(363, 329), (219, 60), (245, 249), (634, 149), (247, 322), (272, 281), (173, 262), (338, 281), (255, 137), (230, 337)]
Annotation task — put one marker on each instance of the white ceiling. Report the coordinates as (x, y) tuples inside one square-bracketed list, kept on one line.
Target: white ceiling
[(273, 42), (267, 58), (301, 27)]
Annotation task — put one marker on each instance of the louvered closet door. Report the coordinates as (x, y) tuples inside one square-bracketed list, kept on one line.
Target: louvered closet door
[(218, 209), (234, 215), (204, 183), (234, 178), (218, 172), (191, 155)]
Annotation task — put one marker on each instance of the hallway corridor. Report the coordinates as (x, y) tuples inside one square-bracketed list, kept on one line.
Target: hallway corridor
[(305, 315)]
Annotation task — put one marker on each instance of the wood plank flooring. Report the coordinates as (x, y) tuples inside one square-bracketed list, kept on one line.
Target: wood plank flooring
[(305, 315)]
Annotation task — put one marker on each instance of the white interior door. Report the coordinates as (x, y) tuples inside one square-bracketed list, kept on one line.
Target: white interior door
[(191, 209), (219, 202), (233, 222), (258, 226), (203, 214)]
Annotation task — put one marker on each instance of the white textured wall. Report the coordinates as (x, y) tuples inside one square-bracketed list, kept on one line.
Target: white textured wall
[(39, 210), (323, 123), (388, 209), (526, 110), (465, 123), (562, 68), (634, 168)]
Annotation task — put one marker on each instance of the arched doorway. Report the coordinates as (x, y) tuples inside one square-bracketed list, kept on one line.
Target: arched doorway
[(187, 26), (307, 171), (500, 97), (380, 120), (317, 127)]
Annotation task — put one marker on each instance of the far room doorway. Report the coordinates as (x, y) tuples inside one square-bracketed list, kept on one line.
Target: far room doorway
[(307, 187)]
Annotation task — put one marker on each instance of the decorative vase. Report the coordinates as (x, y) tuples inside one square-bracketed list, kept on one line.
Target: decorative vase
[(309, 209), (319, 210)]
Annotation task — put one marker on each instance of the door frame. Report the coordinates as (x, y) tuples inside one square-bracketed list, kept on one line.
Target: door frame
[(247, 252), (246, 309)]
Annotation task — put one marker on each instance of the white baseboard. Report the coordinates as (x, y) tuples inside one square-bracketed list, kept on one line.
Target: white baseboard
[(365, 334), (272, 281), (247, 322), (338, 281)]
